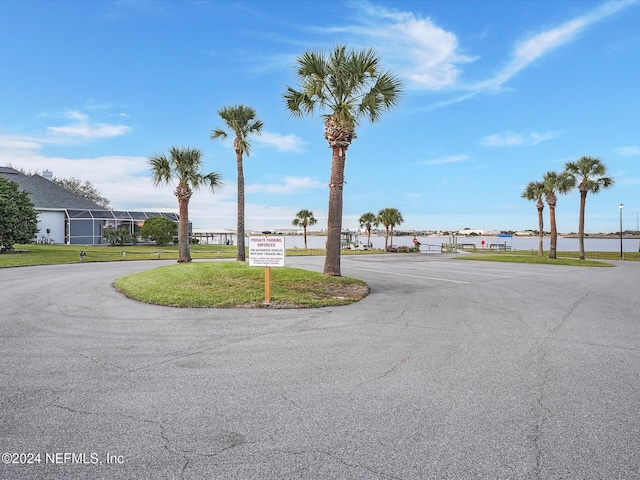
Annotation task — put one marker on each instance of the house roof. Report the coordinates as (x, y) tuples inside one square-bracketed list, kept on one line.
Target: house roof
[(46, 194)]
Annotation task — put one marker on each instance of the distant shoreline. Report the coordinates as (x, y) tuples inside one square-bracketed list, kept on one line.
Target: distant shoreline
[(600, 235)]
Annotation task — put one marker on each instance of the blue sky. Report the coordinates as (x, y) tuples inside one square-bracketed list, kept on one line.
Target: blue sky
[(496, 94)]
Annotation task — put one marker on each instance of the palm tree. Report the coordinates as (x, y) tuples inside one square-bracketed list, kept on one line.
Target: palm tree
[(534, 192), (303, 219), (367, 220), (389, 217), (183, 166), (347, 85), (243, 123), (554, 183), (590, 173), (396, 220)]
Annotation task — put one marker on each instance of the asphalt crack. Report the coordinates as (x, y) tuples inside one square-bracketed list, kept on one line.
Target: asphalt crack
[(382, 375), (566, 316)]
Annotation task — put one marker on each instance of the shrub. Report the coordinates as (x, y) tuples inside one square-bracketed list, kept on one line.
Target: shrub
[(118, 236), (159, 229), (414, 249), (18, 218)]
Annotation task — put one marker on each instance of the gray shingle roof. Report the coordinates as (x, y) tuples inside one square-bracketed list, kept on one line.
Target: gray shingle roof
[(46, 194)]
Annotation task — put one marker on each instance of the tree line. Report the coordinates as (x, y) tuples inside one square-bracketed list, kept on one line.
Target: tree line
[(388, 217), (588, 174)]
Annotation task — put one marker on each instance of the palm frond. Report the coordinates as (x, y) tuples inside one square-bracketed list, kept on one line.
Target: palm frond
[(243, 122), (213, 180), (160, 169), (345, 84), (218, 133)]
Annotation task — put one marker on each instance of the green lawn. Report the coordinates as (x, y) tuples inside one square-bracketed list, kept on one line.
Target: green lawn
[(55, 254), (233, 284)]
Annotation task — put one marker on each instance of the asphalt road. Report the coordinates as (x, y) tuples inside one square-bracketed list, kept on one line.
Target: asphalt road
[(447, 370)]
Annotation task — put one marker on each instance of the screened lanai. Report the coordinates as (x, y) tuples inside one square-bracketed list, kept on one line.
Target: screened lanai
[(84, 227)]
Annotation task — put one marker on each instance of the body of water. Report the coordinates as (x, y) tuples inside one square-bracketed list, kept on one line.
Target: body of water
[(516, 243)]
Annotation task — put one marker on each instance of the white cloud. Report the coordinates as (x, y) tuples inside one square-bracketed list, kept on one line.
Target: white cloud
[(126, 181), (446, 160), (82, 128), (502, 140), (19, 143), (428, 57), (630, 151), (285, 143), (510, 139), (290, 186), (416, 48), (540, 44)]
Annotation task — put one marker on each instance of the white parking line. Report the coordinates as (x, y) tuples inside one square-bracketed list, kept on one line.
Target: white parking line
[(410, 275), (466, 271)]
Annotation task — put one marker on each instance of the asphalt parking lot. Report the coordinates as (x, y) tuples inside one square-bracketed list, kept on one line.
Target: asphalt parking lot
[(447, 370)]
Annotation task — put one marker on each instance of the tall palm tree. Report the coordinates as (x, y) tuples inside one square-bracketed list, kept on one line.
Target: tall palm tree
[(303, 219), (535, 192), (396, 220), (182, 166), (243, 123), (589, 173), (554, 183), (389, 217), (367, 220), (347, 85)]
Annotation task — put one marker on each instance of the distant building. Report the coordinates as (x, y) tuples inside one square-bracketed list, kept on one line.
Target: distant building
[(214, 237), (64, 217), (468, 231)]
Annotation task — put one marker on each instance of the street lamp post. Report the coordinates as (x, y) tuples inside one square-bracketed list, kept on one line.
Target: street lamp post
[(621, 206)]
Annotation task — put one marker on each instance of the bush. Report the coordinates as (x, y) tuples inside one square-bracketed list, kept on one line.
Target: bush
[(414, 249), (118, 236), (18, 218), (159, 229)]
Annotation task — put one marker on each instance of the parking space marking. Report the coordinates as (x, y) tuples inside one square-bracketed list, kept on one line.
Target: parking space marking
[(410, 275), (467, 271)]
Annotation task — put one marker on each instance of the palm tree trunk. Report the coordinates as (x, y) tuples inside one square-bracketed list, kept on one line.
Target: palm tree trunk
[(368, 237), (184, 255), (240, 257), (386, 237), (541, 230), (553, 231), (583, 203), (334, 220), (304, 231)]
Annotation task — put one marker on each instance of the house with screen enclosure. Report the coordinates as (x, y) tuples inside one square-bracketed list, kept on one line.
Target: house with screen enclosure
[(64, 217)]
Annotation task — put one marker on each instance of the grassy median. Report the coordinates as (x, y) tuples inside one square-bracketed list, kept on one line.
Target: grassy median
[(235, 284), (534, 259)]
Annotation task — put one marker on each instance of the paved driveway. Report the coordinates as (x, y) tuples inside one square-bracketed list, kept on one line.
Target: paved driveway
[(448, 369)]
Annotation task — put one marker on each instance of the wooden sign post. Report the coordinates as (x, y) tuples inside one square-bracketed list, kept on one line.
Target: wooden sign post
[(267, 285), (266, 252)]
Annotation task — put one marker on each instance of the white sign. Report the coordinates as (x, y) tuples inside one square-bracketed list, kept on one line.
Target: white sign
[(266, 251)]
